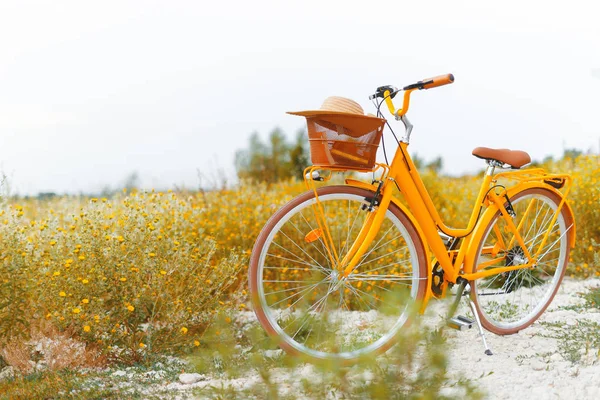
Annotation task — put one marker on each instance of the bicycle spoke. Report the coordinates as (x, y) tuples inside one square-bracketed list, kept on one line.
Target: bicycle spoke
[(350, 229), (301, 249), (320, 239), (556, 241), (375, 246), (378, 258), (385, 266), (286, 290), (305, 291), (317, 264)]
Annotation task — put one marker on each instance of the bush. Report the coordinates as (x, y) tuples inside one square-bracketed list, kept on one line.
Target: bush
[(133, 276)]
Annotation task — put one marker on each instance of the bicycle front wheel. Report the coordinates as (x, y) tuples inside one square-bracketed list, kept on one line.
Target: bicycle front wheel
[(300, 295), (511, 301)]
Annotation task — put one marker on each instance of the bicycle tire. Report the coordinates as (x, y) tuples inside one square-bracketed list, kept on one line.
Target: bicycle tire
[(341, 341), (499, 298)]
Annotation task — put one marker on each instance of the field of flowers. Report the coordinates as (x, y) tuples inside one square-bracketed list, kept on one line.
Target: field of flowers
[(143, 273)]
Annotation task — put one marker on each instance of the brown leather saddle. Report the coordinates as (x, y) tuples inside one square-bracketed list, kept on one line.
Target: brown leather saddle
[(515, 158)]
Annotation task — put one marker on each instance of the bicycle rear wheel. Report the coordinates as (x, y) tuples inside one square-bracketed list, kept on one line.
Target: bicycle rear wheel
[(511, 301), (302, 299)]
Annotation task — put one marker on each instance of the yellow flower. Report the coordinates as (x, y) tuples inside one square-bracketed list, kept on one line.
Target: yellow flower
[(82, 258), (96, 318), (85, 301), (87, 328), (62, 294), (130, 307), (76, 311), (142, 345), (56, 273), (122, 279), (85, 281), (184, 330), (196, 343), (151, 255), (163, 272)]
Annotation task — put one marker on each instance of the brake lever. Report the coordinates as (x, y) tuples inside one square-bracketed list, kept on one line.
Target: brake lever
[(381, 92)]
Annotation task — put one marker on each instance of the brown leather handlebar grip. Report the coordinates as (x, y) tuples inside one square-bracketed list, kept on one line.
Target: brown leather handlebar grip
[(438, 81)]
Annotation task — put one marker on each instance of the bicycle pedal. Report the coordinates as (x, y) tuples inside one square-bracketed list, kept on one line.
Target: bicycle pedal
[(460, 323)]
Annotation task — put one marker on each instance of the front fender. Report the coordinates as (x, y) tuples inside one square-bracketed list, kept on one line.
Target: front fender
[(413, 220), (489, 213)]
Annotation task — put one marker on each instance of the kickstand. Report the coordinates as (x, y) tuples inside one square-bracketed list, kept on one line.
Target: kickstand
[(474, 311)]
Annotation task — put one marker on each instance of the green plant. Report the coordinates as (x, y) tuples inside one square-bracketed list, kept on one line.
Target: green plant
[(575, 341)]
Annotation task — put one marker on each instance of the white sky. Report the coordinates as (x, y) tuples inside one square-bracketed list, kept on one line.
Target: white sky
[(91, 91)]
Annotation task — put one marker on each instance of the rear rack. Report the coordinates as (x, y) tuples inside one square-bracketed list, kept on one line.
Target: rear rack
[(557, 181)]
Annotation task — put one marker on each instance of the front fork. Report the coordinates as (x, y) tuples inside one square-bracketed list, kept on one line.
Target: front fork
[(368, 231)]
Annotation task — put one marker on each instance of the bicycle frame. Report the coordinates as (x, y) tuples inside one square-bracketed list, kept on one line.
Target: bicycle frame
[(459, 263)]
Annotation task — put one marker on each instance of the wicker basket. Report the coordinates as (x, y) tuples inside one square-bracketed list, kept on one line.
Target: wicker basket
[(344, 141)]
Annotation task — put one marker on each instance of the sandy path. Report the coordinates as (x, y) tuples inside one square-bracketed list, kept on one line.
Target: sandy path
[(527, 365)]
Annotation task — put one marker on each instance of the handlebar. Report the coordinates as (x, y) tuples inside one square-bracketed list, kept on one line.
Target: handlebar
[(430, 83), (388, 92)]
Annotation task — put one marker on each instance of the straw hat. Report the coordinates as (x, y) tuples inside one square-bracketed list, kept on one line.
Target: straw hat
[(343, 116), (334, 105)]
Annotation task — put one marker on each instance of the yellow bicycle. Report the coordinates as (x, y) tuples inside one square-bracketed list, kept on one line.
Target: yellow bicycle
[(335, 273)]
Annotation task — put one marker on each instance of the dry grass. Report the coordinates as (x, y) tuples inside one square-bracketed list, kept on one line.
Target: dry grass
[(49, 348)]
